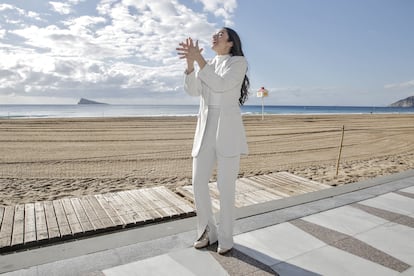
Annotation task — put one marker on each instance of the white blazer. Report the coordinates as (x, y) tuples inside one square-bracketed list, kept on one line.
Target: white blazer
[(224, 77)]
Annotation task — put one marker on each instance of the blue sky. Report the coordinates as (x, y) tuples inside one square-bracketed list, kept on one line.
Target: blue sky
[(305, 52)]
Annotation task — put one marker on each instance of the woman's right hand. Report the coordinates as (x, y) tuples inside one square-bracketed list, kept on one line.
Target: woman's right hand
[(189, 51)]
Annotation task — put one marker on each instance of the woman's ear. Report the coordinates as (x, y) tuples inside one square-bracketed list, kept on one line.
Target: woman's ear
[(231, 44)]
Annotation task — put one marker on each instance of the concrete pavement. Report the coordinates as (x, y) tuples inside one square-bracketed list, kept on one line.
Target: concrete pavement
[(364, 228)]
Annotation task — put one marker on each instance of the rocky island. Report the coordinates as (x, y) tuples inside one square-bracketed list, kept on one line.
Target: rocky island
[(86, 101), (407, 102)]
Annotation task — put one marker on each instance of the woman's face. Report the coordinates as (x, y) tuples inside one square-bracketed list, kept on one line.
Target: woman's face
[(220, 42)]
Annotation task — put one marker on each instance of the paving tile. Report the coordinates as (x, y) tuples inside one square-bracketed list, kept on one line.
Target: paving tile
[(186, 262), (352, 197), (410, 195), (331, 261), (237, 263), (387, 215), (156, 247), (160, 265), (351, 245), (408, 272), (94, 273), (346, 219), (408, 190), (23, 272), (394, 239), (82, 264), (277, 243), (288, 269), (392, 202)]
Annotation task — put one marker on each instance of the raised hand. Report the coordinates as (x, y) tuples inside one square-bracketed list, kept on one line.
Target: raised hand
[(191, 52)]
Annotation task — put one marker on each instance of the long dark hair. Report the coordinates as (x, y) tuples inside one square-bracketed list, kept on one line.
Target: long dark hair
[(237, 50)]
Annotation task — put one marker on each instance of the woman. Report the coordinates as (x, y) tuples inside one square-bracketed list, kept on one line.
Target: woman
[(222, 85)]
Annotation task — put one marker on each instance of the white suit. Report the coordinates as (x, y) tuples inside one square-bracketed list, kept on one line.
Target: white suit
[(219, 136)]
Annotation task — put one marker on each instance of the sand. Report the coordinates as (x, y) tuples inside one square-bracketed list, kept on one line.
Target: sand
[(46, 159)]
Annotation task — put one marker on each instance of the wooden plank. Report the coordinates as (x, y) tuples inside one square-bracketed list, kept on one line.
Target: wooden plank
[(90, 213), (7, 226), (73, 221), (294, 184), (304, 180), (242, 200), (286, 181), (166, 204), (156, 203), (278, 188), (152, 204), (273, 190), (81, 215), (100, 212), (141, 214), (255, 191), (61, 218), (243, 187), (282, 185), (178, 211), (106, 202), (130, 214), (18, 225), (175, 199), (117, 221), (29, 223), (51, 220), (1, 214), (244, 195), (122, 210), (263, 196), (41, 226), (300, 187), (187, 192), (143, 201)]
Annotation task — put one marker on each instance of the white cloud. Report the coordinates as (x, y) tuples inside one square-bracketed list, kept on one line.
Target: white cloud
[(219, 8), (124, 48), (60, 7), (12, 15), (5, 7), (403, 85)]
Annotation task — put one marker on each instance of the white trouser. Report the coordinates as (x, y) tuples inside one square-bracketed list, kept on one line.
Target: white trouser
[(227, 171)]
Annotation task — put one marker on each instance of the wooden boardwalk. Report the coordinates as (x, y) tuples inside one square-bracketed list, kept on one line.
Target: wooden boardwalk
[(259, 189), (33, 224)]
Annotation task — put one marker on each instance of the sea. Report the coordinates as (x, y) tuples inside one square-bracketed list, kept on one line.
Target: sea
[(99, 111)]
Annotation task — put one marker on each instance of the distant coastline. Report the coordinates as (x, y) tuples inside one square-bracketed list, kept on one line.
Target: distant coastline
[(407, 102), (87, 101), (109, 110)]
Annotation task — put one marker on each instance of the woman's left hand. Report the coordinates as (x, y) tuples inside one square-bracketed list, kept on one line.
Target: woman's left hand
[(189, 50)]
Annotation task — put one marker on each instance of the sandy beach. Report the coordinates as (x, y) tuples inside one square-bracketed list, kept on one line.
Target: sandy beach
[(46, 159)]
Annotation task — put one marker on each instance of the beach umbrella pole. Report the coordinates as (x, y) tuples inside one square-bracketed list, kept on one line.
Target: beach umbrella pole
[(262, 109)]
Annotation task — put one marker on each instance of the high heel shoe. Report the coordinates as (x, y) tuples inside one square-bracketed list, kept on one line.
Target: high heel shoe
[(223, 251), (202, 242)]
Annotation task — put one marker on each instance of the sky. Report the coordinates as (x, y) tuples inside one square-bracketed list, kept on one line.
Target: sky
[(305, 52)]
